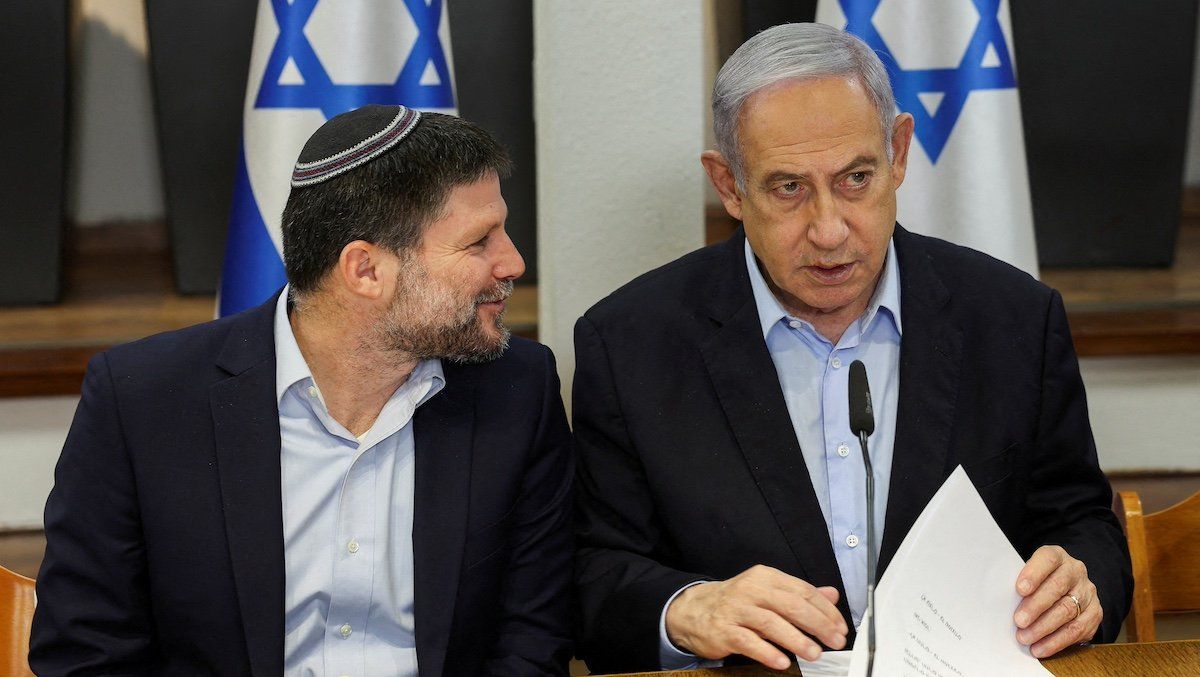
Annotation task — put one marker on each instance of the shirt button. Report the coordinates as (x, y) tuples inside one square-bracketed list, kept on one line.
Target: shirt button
[(312, 391), (794, 324), (851, 541), (345, 630), (837, 363), (843, 450), (352, 546)]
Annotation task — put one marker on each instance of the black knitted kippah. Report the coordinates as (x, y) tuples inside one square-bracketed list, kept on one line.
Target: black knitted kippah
[(350, 140)]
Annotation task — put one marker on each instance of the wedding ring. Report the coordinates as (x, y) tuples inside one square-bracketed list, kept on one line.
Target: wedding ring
[(1078, 606)]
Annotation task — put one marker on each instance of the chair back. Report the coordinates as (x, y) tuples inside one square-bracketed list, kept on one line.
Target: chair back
[(16, 617), (1164, 547)]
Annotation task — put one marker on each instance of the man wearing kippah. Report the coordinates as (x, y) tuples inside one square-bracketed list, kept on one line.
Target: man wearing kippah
[(363, 476), (723, 507)]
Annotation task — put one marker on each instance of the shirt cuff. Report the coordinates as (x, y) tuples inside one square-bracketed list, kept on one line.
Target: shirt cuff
[(671, 658)]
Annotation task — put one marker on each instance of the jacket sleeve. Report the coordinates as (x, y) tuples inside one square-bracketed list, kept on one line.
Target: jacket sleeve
[(93, 612), (534, 634), (1070, 500), (621, 580)]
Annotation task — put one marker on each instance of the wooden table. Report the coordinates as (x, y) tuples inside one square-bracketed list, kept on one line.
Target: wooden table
[(1153, 659), (1128, 660)]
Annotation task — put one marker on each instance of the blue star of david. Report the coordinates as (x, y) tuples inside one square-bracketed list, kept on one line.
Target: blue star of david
[(933, 131), (319, 91)]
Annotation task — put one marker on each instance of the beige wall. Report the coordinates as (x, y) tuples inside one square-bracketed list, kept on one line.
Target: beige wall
[(619, 108), (113, 161), (32, 431), (1192, 167)]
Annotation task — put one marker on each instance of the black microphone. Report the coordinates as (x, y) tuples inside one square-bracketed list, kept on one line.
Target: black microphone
[(862, 416), (862, 424)]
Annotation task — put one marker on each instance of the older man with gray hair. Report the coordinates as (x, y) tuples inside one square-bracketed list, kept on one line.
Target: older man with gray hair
[(722, 511)]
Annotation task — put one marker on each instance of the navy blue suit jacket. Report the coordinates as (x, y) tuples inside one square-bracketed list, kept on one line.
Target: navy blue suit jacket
[(689, 467), (164, 530)]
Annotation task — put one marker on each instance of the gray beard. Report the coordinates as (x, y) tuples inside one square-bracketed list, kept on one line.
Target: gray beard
[(425, 323)]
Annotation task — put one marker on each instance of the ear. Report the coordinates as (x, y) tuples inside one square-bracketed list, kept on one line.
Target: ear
[(902, 133), (721, 175), (364, 270)]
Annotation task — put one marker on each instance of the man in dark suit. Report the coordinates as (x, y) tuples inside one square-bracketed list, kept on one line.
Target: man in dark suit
[(361, 476), (722, 510)]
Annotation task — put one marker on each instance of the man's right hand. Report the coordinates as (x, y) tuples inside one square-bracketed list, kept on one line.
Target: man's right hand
[(753, 610)]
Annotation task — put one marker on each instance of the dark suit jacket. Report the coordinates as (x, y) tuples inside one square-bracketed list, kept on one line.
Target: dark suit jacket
[(164, 531), (689, 466)]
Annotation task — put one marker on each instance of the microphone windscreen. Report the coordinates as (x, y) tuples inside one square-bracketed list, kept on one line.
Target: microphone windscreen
[(862, 416)]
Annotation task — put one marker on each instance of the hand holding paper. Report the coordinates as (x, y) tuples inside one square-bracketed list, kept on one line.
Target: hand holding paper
[(1059, 606), (945, 605)]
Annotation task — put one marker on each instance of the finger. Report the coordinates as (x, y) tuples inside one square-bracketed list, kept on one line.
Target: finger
[(809, 611), (1060, 613), (1043, 562), (1064, 579), (1078, 630), (774, 628), (830, 593), (823, 600), (749, 644)]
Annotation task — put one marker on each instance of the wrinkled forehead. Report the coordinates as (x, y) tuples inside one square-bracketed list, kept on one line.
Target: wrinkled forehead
[(827, 115)]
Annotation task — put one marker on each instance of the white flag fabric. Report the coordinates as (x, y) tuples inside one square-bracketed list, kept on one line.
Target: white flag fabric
[(311, 60), (952, 67)]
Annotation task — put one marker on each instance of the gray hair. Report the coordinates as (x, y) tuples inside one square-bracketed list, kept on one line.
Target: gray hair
[(799, 51)]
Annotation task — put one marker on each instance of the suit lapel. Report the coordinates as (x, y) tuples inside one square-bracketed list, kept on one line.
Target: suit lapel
[(930, 360), (743, 376), (246, 425), (443, 429)]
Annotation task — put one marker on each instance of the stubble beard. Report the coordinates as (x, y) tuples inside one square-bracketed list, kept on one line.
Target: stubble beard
[(428, 320)]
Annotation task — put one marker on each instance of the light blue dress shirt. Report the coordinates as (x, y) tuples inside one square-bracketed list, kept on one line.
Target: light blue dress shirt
[(347, 523), (814, 376)]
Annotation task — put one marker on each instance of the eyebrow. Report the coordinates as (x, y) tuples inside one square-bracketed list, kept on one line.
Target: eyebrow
[(781, 175)]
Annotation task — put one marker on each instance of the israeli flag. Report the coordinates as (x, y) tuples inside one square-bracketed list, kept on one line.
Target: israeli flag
[(952, 67), (314, 59)]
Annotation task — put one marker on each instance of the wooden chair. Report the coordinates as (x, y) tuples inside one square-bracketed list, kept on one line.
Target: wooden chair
[(16, 616), (1165, 549)]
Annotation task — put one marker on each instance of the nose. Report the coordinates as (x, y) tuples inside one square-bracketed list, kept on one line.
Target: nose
[(509, 264), (827, 229)]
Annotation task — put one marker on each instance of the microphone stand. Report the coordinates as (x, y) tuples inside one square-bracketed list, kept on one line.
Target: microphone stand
[(871, 563)]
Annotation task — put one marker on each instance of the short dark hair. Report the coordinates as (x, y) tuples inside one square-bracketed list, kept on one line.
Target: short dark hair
[(389, 200)]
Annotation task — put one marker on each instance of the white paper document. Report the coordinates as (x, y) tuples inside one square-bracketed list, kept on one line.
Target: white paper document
[(945, 605), (830, 664)]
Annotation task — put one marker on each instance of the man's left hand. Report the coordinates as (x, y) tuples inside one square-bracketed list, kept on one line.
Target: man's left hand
[(1060, 607)]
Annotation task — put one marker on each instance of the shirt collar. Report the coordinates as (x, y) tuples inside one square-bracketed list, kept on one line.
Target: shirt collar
[(291, 368), (771, 311)]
